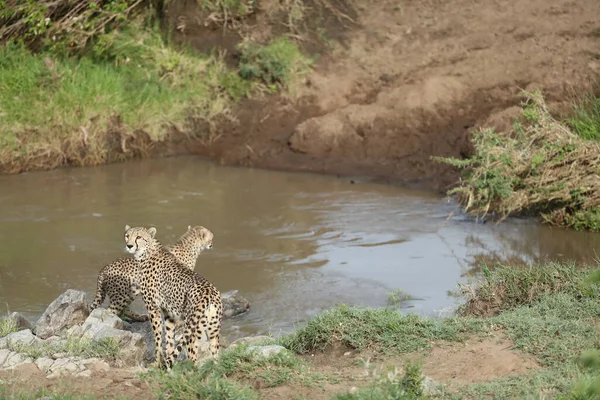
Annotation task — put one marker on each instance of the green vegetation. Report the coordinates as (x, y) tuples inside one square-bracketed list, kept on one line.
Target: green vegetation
[(276, 64), (209, 381), (585, 120), (549, 312), (508, 287), (73, 347), (7, 326), (541, 168), (108, 85)]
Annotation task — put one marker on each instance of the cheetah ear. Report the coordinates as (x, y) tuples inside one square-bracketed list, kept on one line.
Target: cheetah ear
[(127, 227), (189, 228), (152, 231)]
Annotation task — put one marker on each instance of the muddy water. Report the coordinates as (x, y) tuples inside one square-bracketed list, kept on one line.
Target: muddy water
[(293, 244)]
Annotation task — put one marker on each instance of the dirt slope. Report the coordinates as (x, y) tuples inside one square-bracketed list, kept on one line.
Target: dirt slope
[(412, 79)]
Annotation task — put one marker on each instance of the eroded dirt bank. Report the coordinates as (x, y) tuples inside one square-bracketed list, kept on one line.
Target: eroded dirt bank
[(407, 81)]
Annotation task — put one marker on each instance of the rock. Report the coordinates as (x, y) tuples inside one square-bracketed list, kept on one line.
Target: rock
[(145, 330), (84, 374), (266, 351), (96, 365), (133, 348), (234, 304), (430, 387), (44, 364), (4, 356), (65, 366), (70, 308), (15, 358), (20, 321), (3, 343), (252, 340), (23, 338), (101, 316)]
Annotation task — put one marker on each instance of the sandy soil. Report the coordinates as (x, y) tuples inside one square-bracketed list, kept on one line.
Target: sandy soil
[(410, 80)]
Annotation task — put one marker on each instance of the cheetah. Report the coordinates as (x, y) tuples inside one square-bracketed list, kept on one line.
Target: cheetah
[(178, 293), (117, 279)]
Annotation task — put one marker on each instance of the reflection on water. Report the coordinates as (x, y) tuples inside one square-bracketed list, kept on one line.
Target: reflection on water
[(293, 244)]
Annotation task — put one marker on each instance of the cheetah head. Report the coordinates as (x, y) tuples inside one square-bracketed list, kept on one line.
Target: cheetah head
[(138, 239), (203, 238)]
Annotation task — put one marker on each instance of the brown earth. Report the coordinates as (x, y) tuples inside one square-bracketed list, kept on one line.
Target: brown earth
[(450, 364), (406, 81)]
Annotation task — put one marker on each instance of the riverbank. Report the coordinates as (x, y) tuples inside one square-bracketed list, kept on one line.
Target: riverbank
[(538, 323), (389, 86)]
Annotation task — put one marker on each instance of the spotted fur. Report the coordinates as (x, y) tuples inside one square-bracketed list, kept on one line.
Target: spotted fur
[(171, 290), (118, 279)]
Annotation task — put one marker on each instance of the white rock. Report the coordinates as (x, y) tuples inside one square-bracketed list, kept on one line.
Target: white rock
[(251, 340), (23, 338), (3, 343), (44, 364), (267, 351), (70, 308), (4, 353), (14, 358)]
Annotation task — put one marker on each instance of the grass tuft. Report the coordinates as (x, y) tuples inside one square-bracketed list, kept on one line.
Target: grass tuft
[(107, 348), (508, 287), (278, 64), (7, 326), (381, 329)]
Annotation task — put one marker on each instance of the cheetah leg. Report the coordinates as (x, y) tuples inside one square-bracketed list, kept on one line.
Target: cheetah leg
[(193, 337), (213, 316), (186, 339), (156, 322), (170, 325)]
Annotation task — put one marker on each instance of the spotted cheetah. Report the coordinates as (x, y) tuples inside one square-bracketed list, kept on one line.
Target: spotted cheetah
[(178, 293), (117, 279)]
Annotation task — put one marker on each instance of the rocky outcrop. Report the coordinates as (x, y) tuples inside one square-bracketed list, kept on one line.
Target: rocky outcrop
[(67, 323), (70, 308)]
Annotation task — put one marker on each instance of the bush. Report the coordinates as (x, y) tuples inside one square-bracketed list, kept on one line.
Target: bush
[(275, 64), (542, 167)]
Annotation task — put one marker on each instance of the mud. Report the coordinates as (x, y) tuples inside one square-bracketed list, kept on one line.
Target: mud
[(408, 81)]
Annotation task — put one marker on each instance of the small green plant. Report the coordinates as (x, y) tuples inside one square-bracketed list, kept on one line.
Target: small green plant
[(585, 119), (276, 64), (397, 297), (7, 326), (390, 384)]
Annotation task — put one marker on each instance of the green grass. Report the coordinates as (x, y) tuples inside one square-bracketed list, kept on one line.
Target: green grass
[(279, 63), (585, 118), (229, 375), (132, 90), (384, 330), (507, 287), (73, 347), (63, 107), (7, 326)]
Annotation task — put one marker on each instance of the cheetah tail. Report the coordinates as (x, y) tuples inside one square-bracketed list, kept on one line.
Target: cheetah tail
[(100, 294)]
